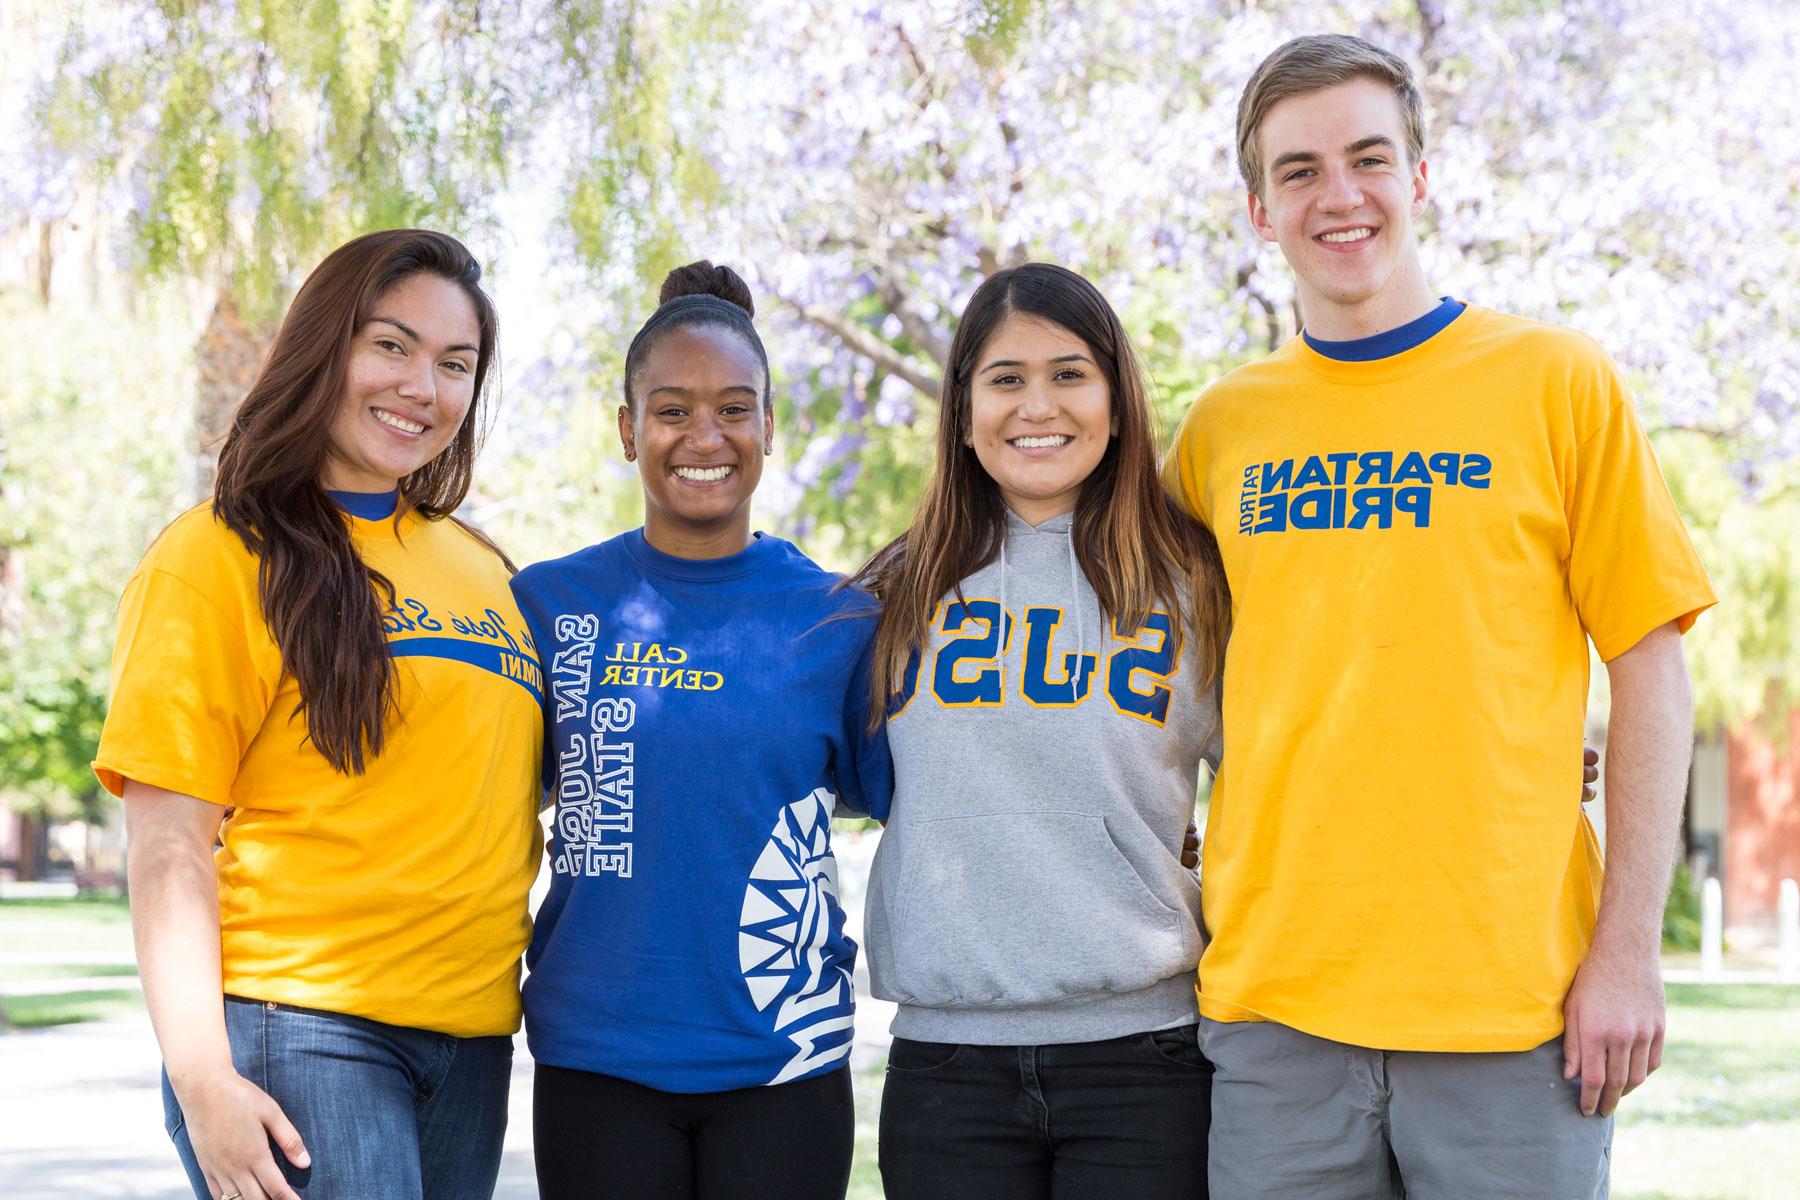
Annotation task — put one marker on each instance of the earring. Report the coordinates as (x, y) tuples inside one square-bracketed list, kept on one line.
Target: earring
[(630, 452)]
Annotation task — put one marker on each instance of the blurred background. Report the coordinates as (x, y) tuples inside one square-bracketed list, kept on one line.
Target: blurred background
[(169, 172)]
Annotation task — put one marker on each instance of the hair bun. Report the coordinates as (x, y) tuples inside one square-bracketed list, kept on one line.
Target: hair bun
[(703, 279)]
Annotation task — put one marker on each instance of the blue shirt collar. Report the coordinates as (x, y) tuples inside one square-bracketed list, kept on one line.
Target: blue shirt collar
[(1392, 341), (367, 506)]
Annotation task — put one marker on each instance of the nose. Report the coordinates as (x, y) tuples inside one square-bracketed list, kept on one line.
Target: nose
[(705, 432), (1341, 192), (1037, 404), (419, 382)]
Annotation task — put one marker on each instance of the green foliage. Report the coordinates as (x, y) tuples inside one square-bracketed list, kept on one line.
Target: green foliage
[(94, 468), (1681, 915), (260, 135), (1744, 654), (629, 185)]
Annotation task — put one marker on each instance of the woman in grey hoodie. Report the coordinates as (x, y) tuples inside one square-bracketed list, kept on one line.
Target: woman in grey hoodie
[(1051, 633)]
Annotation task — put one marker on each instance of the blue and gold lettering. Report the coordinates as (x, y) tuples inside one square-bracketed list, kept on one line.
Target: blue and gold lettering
[(1271, 513), (1412, 469), (1155, 650), (1376, 503), (1415, 501), (902, 696), (1475, 470), (1312, 474), (988, 688), (1311, 510), (1375, 467), (1077, 669)]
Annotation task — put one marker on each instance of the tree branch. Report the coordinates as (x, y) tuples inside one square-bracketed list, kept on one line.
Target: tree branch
[(861, 341), (916, 326)]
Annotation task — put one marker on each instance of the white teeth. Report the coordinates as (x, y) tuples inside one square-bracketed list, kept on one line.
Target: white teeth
[(1348, 235), (1038, 443), (703, 474), (400, 423)]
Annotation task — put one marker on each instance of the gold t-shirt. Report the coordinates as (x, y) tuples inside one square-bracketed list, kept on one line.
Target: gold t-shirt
[(1419, 549), (398, 894)]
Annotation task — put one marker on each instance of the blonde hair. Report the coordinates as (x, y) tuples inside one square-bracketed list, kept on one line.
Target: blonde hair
[(1312, 64)]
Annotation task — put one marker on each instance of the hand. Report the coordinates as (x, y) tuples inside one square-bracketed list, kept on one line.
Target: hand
[(1190, 846), (230, 1121), (1613, 1028), (1590, 771)]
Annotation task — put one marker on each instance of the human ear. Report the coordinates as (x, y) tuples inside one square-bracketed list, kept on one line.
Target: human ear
[(1421, 190), (1259, 217), (626, 438)]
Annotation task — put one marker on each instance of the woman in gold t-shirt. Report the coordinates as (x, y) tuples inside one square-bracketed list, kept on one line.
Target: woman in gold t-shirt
[(325, 726)]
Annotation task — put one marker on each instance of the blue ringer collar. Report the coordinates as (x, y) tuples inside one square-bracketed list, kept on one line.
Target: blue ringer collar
[(367, 506), (1392, 341)]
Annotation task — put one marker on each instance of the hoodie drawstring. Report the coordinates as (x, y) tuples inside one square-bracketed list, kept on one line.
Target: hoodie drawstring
[(1075, 600)]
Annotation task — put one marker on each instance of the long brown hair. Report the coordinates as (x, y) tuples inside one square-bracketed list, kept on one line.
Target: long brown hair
[(318, 596), (1135, 547)]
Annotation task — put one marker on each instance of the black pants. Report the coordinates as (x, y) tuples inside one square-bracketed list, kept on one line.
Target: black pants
[(600, 1138), (1123, 1118)]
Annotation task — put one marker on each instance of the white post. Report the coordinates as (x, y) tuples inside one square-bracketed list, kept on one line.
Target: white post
[(1712, 929), (1790, 929)]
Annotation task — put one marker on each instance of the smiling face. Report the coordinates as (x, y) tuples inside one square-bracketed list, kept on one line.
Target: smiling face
[(1040, 415), (1339, 196), (699, 433), (408, 386)]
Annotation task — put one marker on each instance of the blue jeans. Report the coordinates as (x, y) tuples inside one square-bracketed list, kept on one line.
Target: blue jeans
[(384, 1110)]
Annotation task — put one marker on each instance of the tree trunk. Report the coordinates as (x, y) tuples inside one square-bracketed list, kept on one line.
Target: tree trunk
[(34, 843), (230, 352)]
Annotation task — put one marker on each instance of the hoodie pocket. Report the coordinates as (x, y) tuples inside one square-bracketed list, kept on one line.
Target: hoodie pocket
[(1021, 909)]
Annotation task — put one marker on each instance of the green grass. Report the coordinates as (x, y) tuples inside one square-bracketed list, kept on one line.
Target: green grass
[(1721, 1119), (99, 925), (67, 1008), (15, 972)]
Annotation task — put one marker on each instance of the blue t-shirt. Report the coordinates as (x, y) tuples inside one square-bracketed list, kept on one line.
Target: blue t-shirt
[(703, 718)]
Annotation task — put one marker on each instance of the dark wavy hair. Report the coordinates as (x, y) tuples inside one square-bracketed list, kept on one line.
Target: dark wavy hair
[(322, 602), (1135, 546)]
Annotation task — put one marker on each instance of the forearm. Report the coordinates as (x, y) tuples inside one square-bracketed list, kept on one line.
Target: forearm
[(175, 923), (1649, 742)]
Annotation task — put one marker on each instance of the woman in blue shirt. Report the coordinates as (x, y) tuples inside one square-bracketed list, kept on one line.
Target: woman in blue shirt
[(689, 1003)]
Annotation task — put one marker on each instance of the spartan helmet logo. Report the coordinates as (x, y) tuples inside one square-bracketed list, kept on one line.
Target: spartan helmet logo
[(790, 903)]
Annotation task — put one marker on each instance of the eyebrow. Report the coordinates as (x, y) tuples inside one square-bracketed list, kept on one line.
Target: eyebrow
[(412, 333), (1356, 147), (1013, 362), (674, 390)]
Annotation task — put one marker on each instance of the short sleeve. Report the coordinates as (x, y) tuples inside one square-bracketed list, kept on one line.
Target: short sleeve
[(1632, 567), (188, 692), (865, 769), (1180, 473), (544, 648)]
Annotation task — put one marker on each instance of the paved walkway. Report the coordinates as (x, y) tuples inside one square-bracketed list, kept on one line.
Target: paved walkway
[(81, 1112)]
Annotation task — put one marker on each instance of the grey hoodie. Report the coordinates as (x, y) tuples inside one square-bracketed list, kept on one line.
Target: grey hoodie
[(1028, 888)]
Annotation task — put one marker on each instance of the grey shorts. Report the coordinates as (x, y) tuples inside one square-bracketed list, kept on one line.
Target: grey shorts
[(1302, 1118)]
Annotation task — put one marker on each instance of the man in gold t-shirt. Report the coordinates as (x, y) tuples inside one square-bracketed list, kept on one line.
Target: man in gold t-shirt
[(1417, 982)]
